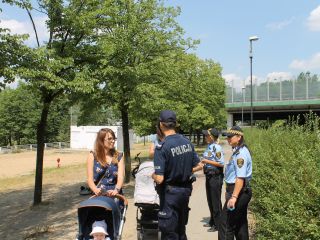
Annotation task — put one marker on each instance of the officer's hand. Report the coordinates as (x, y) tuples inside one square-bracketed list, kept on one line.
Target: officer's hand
[(231, 203)]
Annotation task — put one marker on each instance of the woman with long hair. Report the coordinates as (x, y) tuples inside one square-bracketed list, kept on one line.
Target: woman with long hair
[(105, 165)]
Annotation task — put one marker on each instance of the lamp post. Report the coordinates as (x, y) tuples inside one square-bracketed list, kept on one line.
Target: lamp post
[(243, 89), (251, 39)]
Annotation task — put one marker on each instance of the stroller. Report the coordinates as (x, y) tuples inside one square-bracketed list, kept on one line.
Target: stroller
[(146, 200), (101, 208)]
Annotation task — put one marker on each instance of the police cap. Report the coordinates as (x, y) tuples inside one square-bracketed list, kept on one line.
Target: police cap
[(235, 130), (211, 131), (167, 116)]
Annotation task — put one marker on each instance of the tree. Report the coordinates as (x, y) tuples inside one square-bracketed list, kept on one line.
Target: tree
[(139, 38), (63, 65), (194, 88), (11, 51), (20, 113)]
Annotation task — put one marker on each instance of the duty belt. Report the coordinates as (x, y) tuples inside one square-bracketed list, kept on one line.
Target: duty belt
[(210, 171), (230, 187), (181, 185)]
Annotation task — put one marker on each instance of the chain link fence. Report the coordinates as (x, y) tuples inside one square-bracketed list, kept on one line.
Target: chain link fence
[(33, 147)]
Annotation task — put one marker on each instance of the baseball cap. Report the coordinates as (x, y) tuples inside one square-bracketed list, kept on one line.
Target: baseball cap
[(99, 227), (235, 130), (211, 131), (167, 116)]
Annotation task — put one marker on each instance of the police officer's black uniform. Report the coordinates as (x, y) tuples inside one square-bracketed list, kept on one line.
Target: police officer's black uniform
[(174, 159), (214, 178)]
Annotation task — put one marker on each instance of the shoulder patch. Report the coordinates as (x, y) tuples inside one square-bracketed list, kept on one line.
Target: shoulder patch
[(218, 155), (240, 162)]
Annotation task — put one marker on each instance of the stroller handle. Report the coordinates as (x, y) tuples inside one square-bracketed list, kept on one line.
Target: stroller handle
[(123, 198), (119, 196)]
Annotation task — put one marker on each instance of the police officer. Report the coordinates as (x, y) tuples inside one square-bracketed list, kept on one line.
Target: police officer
[(234, 222), (213, 161), (174, 161)]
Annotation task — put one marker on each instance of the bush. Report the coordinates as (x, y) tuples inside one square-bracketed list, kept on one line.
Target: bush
[(286, 180)]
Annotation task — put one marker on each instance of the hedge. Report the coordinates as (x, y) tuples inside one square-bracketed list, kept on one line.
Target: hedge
[(286, 180)]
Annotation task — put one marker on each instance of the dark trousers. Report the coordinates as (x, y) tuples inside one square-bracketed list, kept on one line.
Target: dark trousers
[(235, 223), (174, 213), (213, 190)]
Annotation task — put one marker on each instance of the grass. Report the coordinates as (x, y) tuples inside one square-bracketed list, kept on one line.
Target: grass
[(69, 173), (50, 176)]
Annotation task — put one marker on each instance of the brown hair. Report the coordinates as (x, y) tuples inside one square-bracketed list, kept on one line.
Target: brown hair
[(99, 148)]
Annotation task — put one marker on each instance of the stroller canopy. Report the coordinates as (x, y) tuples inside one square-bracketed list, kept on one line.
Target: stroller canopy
[(97, 209)]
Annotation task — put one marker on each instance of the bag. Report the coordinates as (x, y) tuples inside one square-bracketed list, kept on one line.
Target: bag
[(85, 191)]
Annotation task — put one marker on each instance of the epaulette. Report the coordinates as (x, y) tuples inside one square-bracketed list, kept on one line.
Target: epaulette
[(184, 136), (160, 145), (214, 148), (236, 152)]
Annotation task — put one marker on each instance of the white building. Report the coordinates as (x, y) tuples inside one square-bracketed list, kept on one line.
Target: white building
[(83, 137)]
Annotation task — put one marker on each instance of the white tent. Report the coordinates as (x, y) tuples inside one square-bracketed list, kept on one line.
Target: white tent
[(83, 137)]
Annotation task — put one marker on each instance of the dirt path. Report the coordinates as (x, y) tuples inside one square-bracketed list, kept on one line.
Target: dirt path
[(17, 164)]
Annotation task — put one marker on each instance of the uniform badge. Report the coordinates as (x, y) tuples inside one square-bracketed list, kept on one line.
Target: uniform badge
[(218, 154), (209, 154), (240, 162)]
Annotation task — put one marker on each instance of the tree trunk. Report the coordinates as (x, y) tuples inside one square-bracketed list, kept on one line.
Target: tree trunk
[(41, 128), (198, 137), (126, 141)]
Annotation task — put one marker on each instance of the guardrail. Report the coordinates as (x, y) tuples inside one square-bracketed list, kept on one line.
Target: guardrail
[(33, 147)]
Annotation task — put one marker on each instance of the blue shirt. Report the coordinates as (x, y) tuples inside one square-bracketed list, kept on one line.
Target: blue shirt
[(174, 159), (214, 153), (239, 166), (107, 175)]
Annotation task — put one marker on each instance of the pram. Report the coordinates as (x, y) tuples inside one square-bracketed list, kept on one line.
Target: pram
[(146, 200), (101, 208)]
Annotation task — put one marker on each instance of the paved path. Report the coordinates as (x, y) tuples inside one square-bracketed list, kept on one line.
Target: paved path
[(199, 213)]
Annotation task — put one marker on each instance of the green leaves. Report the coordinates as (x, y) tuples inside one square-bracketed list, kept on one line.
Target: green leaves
[(286, 180)]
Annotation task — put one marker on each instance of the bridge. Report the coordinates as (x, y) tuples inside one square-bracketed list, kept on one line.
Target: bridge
[(273, 100)]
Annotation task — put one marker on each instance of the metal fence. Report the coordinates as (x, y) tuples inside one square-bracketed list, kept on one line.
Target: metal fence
[(33, 147), (275, 90), (143, 139)]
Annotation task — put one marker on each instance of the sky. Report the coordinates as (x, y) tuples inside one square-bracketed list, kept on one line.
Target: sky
[(288, 31)]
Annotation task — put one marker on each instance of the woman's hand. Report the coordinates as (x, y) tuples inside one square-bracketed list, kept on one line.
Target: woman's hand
[(97, 191), (112, 193)]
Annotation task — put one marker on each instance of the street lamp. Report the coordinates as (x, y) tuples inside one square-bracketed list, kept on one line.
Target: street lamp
[(251, 39), (243, 89)]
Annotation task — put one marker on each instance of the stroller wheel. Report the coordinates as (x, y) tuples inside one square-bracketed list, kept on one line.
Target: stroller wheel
[(140, 235)]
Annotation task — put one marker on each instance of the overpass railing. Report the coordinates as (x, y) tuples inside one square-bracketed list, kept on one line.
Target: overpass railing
[(276, 90)]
